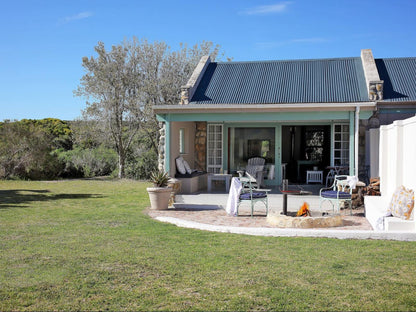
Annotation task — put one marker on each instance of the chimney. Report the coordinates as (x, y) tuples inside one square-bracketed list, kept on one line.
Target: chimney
[(188, 90), (372, 79)]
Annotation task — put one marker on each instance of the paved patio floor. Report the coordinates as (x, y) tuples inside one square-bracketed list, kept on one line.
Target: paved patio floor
[(207, 212)]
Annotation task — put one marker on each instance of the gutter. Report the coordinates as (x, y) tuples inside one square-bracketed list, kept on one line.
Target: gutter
[(192, 108)]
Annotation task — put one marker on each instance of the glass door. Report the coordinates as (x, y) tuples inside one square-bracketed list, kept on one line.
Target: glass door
[(214, 144), (249, 142)]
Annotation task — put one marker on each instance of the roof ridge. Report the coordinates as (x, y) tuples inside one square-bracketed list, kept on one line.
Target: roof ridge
[(397, 58), (294, 60)]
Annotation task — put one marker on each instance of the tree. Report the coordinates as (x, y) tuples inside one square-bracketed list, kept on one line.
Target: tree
[(125, 82)]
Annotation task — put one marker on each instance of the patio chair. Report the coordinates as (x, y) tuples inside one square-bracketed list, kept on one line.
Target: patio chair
[(255, 168), (340, 191), (250, 192)]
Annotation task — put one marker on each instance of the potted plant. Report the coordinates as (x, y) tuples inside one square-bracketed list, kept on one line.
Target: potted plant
[(159, 194)]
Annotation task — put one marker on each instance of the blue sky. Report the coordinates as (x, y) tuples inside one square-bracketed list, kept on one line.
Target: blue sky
[(42, 42)]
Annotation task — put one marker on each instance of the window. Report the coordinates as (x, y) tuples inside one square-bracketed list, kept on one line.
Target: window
[(341, 145), (181, 141), (214, 148), (250, 142)]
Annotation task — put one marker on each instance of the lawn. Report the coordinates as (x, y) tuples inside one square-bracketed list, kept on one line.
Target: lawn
[(88, 245)]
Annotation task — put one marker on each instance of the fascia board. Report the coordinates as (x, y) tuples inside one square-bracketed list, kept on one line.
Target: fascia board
[(160, 109)]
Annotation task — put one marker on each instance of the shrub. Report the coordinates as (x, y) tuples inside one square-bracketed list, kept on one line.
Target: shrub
[(88, 163), (141, 163)]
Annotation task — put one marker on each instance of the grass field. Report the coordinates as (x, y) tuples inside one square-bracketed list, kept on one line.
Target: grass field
[(88, 245)]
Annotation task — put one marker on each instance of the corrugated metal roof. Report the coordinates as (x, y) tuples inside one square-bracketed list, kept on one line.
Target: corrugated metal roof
[(298, 81), (399, 75)]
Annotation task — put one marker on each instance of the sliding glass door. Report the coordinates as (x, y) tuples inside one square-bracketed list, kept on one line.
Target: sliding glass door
[(248, 142)]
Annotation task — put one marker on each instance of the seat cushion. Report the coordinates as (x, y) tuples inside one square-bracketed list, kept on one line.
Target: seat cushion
[(402, 203), (194, 173), (255, 195), (335, 194)]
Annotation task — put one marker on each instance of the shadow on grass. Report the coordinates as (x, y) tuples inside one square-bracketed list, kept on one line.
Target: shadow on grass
[(15, 198)]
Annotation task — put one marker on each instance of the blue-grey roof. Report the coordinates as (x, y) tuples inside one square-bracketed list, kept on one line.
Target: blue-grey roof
[(399, 75), (274, 82)]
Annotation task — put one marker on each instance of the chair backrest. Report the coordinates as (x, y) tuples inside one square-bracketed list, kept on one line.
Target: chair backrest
[(255, 165), (341, 184), (248, 183), (256, 161)]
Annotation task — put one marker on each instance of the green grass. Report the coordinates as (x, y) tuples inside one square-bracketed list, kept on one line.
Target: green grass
[(88, 245)]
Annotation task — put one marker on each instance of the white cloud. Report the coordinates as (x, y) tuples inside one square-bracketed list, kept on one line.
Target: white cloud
[(79, 16), (267, 9)]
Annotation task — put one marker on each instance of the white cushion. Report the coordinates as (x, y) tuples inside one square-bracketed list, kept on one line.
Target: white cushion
[(187, 167), (180, 166)]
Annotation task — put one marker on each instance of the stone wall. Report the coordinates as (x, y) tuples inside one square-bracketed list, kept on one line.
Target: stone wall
[(201, 145)]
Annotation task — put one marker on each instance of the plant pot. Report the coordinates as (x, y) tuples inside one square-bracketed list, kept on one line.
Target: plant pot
[(159, 197)]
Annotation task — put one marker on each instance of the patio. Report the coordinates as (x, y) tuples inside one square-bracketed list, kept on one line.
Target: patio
[(209, 208), (205, 211)]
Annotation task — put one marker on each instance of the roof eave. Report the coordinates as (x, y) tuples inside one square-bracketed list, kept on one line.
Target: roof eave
[(194, 108)]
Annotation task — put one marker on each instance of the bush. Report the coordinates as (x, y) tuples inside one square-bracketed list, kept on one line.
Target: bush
[(88, 163), (25, 152), (140, 164)]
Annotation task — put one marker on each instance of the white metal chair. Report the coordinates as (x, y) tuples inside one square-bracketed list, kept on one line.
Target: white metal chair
[(251, 193), (340, 191)]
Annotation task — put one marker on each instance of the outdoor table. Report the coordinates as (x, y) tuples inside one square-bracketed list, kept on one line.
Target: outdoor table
[(291, 192), (219, 177)]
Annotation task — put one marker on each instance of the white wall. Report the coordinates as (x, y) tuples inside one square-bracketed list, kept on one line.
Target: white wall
[(397, 162), (372, 137)]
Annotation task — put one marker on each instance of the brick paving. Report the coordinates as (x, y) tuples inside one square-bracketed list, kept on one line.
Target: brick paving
[(218, 216)]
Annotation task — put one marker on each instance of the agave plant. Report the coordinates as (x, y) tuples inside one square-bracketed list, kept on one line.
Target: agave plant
[(159, 178)]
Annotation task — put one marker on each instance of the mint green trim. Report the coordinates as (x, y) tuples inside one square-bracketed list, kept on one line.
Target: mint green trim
[(257, 117), (331, 161), (167, 146), (278, 153), (366, 114), (397, 110), (352, 144), (225, 147)]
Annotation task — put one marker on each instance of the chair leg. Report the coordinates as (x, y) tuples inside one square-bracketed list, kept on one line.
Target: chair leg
[(267, 207), (252, 208)]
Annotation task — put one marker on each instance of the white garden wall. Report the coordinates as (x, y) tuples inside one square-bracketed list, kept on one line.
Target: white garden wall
[(397, 162)]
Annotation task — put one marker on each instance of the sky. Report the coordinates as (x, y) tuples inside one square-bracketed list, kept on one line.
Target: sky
[(42, 42)]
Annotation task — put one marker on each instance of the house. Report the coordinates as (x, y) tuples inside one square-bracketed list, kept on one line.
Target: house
[(297, 114)]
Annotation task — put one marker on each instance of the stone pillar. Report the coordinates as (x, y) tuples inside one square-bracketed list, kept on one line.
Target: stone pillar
[(184, 95), (372, 78), (201, 145), (162, 146)]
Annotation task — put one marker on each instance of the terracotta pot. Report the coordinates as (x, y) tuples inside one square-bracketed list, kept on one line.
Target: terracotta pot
[(159, 197)]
